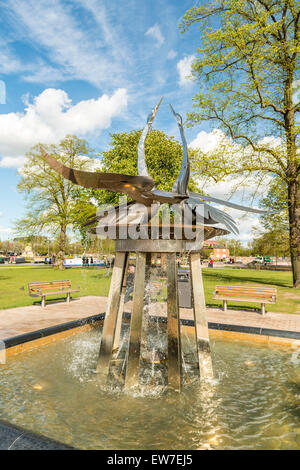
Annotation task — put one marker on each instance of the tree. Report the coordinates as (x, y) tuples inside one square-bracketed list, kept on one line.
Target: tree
[(51, 207), (236, 248), (248, 66), (163, 156), (274, 238), (7, 246), (274, 242), (38, 243), (276, 198)]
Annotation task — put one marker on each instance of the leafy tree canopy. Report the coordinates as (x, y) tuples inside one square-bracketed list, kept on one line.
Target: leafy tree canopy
[(247, 67), (50, 202), (163, 157)]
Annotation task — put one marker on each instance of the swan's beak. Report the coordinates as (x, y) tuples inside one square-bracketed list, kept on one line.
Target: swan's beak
[(176, 115), (154, 111)]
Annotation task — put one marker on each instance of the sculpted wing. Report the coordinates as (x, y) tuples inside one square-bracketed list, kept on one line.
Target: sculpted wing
[(212, 215), (132, 185), (232, 204)]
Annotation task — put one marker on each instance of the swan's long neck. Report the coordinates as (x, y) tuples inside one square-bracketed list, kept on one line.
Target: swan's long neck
[(181, 184), (142, 166)]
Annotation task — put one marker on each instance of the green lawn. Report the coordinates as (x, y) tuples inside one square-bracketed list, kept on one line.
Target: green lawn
[(14, 283), (288, 299), (93, 281)]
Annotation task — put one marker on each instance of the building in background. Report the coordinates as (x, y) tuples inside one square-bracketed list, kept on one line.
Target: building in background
[(220, 253)]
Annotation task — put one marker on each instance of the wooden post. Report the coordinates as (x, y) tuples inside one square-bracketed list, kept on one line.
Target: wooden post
[(174, 340), (111, 314), (201, 327), (134, 349)]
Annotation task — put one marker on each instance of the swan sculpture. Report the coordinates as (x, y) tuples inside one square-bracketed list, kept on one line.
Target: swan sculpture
[(141, 187)]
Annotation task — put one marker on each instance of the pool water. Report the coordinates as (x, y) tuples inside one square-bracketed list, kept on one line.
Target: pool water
[(253, 403)]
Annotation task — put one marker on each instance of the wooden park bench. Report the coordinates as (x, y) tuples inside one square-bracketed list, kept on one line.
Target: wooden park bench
[(262, 295), (44, 289)]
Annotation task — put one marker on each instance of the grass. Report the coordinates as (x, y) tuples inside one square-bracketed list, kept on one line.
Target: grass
[(93, 281), (288, 299), (14, 283)]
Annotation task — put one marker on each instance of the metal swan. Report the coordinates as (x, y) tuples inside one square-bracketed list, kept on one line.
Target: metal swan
[(141, 188)]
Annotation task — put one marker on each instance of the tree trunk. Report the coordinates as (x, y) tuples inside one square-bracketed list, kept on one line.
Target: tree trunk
[(62, 247), (293, 180), (294, 219)]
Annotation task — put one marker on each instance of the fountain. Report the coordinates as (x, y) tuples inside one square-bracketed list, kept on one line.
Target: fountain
[(138, 227)]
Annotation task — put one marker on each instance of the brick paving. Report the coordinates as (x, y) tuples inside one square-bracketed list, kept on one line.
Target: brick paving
[(276, 321), (16, 321)]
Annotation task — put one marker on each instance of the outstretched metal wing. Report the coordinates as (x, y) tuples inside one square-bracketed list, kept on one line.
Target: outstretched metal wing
[(233, 204), (212, 215), (132, 185)]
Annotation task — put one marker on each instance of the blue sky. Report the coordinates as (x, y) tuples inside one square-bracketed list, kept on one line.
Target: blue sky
[(88, 67)]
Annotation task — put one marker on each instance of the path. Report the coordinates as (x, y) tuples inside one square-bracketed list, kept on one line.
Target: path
[(16, 321)]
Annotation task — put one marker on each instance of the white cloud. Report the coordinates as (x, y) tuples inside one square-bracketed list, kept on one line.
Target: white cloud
[(72, 49), (184, 70), (111, 32), (245, 224), (271, 141), (9, 63), (50, 117), (241, 190), (235, 186), (12, 162), (34, 71), (171, 54), (208, 141), (155, 32)]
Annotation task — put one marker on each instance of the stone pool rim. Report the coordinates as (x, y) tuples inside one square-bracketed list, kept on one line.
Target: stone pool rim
[(13, 437), (17, 344)]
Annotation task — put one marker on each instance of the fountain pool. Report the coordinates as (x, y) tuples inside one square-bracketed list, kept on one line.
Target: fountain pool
[(253, 402)]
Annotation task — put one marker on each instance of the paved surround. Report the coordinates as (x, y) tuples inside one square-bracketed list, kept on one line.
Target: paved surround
[(15, 438), (17, 321), (61, 316)]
